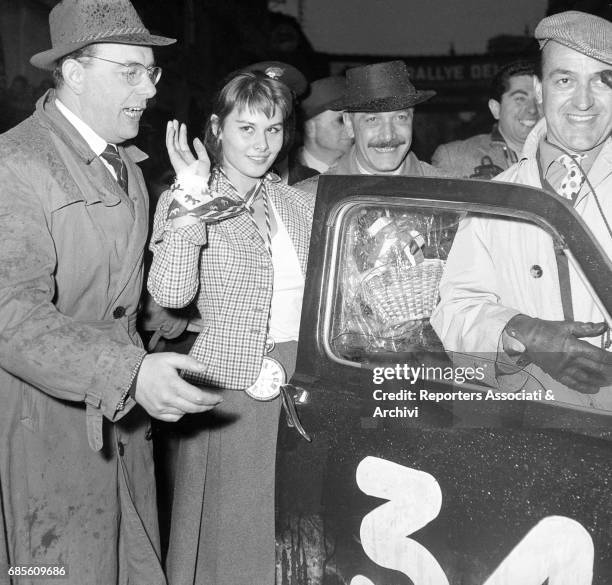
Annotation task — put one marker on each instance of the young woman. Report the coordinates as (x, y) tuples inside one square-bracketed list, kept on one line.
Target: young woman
[(235, 241)]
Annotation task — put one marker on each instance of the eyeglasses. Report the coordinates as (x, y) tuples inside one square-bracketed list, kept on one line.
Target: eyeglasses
[(135, 72)]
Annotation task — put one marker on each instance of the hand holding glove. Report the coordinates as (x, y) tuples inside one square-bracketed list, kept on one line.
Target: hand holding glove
[(557, 348)]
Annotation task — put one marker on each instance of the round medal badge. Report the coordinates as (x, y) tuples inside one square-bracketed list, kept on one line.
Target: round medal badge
[(268, 384)]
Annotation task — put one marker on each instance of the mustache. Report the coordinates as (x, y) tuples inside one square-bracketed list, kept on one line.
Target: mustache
[(386, 143)]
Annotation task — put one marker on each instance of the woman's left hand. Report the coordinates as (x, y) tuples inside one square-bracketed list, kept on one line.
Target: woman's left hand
[(180, 154)]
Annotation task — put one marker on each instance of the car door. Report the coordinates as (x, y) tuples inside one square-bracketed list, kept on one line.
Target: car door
[(407, 476)]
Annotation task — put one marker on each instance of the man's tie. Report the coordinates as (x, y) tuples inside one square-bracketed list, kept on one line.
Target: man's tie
[(111, 156), (573, 180)]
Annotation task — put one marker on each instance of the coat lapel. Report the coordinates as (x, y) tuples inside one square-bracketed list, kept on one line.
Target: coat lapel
[(139, 202), (291, 217), (602, 168)]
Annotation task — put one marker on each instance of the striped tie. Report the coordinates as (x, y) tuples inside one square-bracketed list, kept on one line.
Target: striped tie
[(111, 156), (573, 180)]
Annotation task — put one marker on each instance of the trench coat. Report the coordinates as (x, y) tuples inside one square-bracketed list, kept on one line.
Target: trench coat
[(76, 491), (488, 277)]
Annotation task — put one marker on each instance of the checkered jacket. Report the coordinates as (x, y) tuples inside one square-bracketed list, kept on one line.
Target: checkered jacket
[(225, 266)]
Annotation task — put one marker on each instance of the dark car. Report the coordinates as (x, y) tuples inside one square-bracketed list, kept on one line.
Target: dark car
[(391, 470)]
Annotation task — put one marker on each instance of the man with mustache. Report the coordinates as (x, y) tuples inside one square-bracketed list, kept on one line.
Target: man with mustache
[(504, 290), (378, 106), (512, 103)]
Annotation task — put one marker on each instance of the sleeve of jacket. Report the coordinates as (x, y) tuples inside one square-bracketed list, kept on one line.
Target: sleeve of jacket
[(51, 351), (454, 159), (175, 271), (441, 158), (469, 317)]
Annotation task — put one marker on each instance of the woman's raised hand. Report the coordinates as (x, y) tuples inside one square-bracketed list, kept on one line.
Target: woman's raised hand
[(179, 152)]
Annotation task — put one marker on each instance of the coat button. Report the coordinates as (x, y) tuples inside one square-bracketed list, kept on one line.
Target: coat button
[(118, 312), (536, 271), (120, 448), (148, 434)]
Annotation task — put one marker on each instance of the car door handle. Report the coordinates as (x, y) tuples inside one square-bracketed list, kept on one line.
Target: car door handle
[(290, 396)]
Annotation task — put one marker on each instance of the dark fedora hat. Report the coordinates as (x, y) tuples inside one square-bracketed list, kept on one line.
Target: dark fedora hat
[(74, 24), (324, 95), (381, 87), (292, 77)]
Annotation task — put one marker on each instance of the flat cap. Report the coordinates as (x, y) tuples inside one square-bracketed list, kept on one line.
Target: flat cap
[(586, 33), (292, 77)]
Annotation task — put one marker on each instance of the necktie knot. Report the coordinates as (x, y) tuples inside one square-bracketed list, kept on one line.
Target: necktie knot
[(111, 156), (574, 177)]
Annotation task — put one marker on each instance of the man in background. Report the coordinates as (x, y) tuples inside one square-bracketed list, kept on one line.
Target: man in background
[(512, 103), (325, 137)]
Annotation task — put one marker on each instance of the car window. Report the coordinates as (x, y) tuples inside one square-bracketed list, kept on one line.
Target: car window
[(390, 260), (385, 260)]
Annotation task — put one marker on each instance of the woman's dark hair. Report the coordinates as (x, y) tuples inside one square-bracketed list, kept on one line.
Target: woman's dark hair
[(256, 92)]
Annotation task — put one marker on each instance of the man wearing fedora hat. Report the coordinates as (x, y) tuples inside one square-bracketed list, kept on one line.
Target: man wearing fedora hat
[(378, 105), (324, 134), (504, 289), (77, 492)]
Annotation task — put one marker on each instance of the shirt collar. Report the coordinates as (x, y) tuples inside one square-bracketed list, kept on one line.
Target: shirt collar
[(496, 135), (95, 142), (549, 154), (312, 161)]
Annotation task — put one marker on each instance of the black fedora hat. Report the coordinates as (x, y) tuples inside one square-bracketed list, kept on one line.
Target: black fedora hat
[(381, 87), (74, 24)]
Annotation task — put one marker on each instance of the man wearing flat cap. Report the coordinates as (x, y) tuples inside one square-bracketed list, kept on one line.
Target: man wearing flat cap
[(324, 133), (504, 289), (378, 105), (76, 469)]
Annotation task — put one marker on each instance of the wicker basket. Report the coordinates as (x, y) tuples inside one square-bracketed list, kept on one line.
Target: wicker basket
[(400, 293)]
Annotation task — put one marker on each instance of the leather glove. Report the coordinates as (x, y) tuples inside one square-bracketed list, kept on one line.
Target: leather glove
[(606, 77), (556, 348)]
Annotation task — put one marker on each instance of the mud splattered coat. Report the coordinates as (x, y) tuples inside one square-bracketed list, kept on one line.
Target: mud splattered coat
[(76, 490)]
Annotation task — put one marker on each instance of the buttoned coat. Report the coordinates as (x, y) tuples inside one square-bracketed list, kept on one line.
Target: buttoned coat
[(226, 268), (488, 277), (76, 491), (461, 157)]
